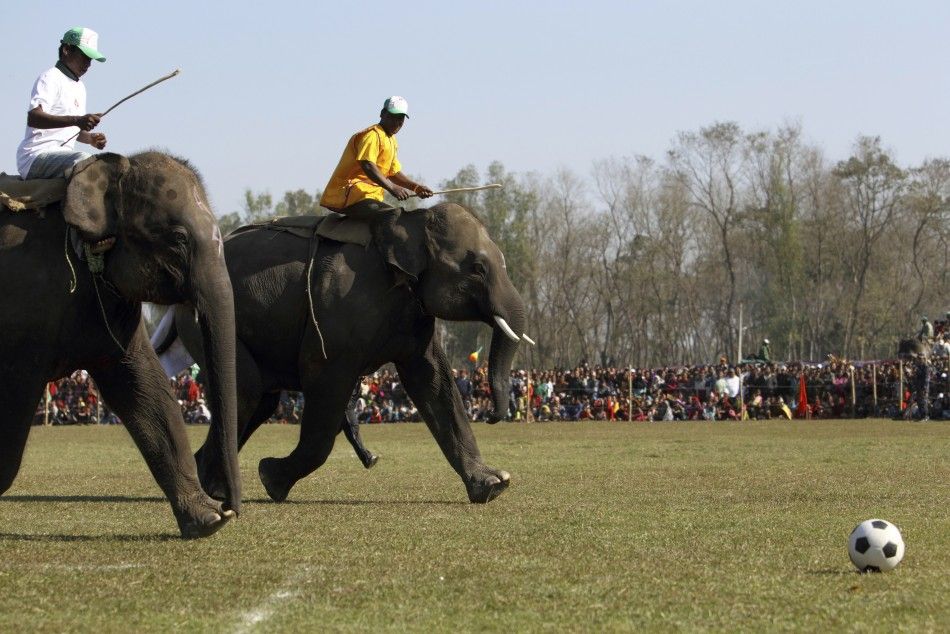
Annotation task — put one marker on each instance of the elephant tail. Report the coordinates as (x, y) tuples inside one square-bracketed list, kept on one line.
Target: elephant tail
[(169, 348)]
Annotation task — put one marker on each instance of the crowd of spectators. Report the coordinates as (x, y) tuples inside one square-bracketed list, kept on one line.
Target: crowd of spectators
[(751, 390), (74, 400)]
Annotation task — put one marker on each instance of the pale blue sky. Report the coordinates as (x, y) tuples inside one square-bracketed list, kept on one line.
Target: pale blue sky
[(270, 91)]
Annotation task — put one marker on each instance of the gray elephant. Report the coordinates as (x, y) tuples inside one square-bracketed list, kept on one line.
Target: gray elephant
[(373, 306), (149, 217)]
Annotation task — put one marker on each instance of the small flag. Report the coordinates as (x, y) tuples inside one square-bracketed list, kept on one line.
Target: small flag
[(474, 356), (802, 410)]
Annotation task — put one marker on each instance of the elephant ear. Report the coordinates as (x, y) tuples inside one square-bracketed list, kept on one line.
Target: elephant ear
[(91, 193), (402, 240)]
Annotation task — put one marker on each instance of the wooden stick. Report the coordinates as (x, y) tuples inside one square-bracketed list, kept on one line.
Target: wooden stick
[(120, 101), (464, 189)]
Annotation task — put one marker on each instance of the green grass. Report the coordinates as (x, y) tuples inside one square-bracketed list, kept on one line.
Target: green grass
[(606, 527)]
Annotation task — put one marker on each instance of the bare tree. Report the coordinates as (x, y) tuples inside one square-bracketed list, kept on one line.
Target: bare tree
[(873, 186), (710, 165)]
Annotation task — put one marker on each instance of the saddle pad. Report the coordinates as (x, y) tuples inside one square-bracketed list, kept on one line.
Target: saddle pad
[(333, 226), (342, 229), (17, 194)]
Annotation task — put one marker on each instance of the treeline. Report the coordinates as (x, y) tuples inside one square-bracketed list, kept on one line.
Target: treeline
[(649, 262)]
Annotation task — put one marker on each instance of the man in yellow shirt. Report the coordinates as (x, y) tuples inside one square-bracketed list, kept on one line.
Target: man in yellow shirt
[(369, 167)]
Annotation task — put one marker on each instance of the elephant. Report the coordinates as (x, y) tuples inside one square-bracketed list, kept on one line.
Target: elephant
[(912, 349), (147, 217), (371, 305)]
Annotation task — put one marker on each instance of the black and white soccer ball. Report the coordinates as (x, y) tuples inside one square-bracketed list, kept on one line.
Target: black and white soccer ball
[(875, 546)]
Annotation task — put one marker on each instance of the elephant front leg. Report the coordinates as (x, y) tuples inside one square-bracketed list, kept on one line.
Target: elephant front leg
[(428, 381), (137, 390)]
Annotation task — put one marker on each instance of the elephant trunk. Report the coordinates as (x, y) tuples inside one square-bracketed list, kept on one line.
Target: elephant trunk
[(504, 344), (214, 302)]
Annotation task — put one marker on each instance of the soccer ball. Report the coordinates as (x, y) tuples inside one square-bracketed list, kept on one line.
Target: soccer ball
[(875, 546)]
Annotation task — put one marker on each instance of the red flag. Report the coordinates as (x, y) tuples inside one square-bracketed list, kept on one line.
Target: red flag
[(802, 410)]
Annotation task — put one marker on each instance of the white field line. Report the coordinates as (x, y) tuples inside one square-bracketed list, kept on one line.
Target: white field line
[(91, 567), (264, 610)]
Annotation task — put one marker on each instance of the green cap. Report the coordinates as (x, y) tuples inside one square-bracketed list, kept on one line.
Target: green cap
[(86, 40)]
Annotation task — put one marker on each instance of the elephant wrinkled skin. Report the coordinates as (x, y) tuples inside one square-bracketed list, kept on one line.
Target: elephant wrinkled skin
[(166, 248), (373, 306)]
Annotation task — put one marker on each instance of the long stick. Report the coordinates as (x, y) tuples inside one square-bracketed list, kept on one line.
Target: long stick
[(120, 101), (464, 189)]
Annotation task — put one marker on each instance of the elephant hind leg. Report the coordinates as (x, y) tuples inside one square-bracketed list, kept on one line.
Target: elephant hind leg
[(18, 400), (351, 429), (318, 429), (265, 409), (212, 479)]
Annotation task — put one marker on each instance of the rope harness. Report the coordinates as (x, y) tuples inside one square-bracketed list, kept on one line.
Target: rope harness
[(314, 243), (97, 266)]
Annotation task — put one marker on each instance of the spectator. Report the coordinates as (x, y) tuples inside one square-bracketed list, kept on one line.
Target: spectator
[(733, 383), (941, 347), (464, 385)]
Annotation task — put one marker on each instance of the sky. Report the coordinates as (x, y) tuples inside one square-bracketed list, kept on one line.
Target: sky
[(269, 92)]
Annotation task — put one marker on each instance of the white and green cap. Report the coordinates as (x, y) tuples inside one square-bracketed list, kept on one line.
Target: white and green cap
[(86, 40), (396, 105)]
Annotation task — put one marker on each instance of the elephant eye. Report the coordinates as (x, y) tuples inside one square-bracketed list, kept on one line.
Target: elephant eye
[(480, 269), (178, 235)]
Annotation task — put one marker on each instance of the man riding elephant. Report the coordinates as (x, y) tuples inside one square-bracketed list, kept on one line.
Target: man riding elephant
[(58, 108), (369, 166)]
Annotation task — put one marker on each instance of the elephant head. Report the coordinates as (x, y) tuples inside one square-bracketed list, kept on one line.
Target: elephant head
[(458, 273), (149, 215)]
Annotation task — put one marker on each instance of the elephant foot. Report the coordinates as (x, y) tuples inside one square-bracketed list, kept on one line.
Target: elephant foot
[(486, 488), (369, 459), (277, 488), (207, 521)]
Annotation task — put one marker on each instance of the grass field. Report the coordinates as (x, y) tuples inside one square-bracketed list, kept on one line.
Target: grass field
[(606, 527)]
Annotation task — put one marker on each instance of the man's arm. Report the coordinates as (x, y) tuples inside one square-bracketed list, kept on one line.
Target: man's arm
[(372, 170), (421, 190), (41, 120), (397, 184)]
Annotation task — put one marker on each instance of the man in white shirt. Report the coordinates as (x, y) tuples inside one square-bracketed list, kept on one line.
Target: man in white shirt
[(58, 109), (733, 383)]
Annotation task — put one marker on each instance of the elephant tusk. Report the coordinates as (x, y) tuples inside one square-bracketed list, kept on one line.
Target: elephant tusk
[(528, 339), (505, 328)]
